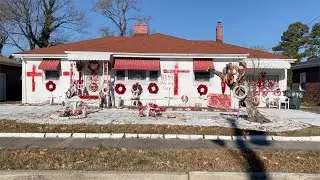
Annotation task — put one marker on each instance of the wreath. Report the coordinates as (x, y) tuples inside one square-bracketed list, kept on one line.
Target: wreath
[(136, 87), (120, 89), (153, 88), (51, 86), (277, 92), (202, 89)]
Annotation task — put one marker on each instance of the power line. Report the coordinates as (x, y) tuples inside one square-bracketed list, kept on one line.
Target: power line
[(313, 20)]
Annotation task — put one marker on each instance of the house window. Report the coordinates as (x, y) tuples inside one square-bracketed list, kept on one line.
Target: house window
[(120, 75), (52, 75), (202, 76), (154, 75), (137, 75)]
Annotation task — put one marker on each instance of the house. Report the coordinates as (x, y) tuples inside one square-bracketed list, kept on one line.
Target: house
[(10, 79), (306, 76), (170, 70)]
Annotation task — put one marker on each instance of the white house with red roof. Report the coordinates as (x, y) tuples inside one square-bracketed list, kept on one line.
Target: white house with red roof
[(167, 68)]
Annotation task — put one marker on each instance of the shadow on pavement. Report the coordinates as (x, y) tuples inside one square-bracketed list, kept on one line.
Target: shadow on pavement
[(253, 164)]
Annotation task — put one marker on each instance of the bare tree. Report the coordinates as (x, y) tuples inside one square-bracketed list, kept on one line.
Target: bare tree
[(3, 39), (119, 12), (34, 23)]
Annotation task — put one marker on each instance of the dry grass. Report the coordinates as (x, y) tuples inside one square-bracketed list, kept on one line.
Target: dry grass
[(10, 102), (157, 160), (13, 126)]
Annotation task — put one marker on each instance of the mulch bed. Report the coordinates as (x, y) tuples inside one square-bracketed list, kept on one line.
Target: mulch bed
[(183, 160)]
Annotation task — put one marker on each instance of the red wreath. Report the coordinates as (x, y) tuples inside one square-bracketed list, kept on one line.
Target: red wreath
[(202, 89), (120, 88), (153, 88), (51, 86), (261, 84), (277, 92)]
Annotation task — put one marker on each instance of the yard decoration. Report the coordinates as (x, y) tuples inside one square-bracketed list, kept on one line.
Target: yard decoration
[(93, 86), (263, 76), (51, 86), (120, 89), (93, 66), (184, 99), (136, 91), (232, 75), (277, 92), (255, 101), (271, 84), (264, 92), (153, 88), (202, 89), (223, 86), (151, 109)]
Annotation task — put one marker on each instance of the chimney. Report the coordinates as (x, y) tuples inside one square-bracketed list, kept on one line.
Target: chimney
[(141, 29), (219, 32)]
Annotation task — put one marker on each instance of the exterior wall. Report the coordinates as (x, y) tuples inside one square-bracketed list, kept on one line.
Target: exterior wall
[(13, 82), (312, 74), (41, 94), (187, 85)]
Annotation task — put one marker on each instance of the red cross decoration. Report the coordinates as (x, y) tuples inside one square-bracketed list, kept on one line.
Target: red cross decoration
[(175, 72), (34, 74)]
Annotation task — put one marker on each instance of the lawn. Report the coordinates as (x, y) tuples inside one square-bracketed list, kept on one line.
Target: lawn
[(183, 160), (13, 126)]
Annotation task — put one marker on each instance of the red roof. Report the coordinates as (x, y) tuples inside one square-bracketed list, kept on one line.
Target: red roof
[(136, 64), (154, 43)]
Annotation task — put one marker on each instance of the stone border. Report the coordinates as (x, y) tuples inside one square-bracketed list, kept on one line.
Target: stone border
[(125, 175), (160, 136)]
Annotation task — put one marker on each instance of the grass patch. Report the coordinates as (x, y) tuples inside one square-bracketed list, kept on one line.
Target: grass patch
[(10, 102), (14, 126), (108, 159)]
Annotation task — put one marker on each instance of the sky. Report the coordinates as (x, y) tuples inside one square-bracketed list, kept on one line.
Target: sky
[(246, 22)]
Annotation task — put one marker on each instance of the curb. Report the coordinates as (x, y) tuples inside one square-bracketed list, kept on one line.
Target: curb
[(159, 136)]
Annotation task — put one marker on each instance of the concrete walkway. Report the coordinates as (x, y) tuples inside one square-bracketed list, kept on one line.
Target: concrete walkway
[(19, 143)]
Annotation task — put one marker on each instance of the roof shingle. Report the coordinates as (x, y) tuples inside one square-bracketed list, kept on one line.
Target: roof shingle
[(154, 43)]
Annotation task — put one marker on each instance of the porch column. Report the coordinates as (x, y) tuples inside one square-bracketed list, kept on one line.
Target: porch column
[(285, 83)]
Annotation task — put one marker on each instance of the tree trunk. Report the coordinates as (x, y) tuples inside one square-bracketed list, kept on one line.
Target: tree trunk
[(252, 111)]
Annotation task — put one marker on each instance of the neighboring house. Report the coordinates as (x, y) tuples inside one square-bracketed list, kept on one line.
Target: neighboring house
[(306, 76), (10, 79), (177, 66)]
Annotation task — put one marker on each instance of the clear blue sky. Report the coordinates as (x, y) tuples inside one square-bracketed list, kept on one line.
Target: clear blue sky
[(246, 22)]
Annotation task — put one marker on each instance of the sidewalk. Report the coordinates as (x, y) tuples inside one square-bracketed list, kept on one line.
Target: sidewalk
[(21, 143)]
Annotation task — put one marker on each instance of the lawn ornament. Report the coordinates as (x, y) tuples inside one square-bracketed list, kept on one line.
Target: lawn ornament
[(151, 109)]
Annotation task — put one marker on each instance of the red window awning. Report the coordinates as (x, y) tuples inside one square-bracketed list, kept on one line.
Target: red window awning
[(202, 64), (50, 65), (136, 64)]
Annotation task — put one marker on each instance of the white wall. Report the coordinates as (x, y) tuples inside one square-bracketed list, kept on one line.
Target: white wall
[(187, 85), (41, 94)]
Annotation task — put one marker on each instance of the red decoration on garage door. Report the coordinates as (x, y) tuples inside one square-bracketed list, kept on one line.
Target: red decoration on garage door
[(219, 101), (34, 74)]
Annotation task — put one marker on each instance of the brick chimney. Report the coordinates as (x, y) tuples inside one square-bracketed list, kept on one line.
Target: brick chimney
[(141, 29), (219, 32)]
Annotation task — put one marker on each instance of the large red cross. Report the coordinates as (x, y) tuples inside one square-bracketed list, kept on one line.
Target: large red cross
[(175, 72), (34, 74)]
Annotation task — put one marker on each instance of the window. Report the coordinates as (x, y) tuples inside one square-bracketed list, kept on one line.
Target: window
[(202, 76), (137, 75), (120, 75), (52, 75), (154, 76)]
